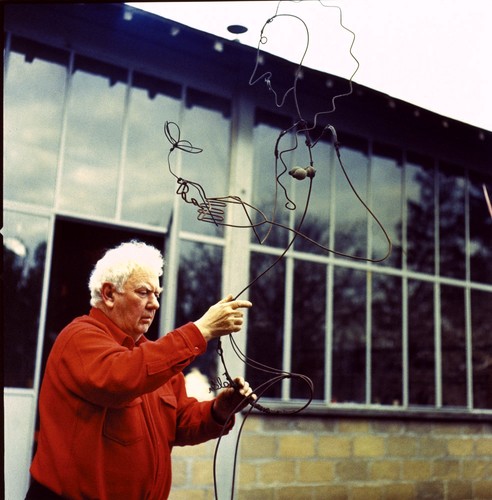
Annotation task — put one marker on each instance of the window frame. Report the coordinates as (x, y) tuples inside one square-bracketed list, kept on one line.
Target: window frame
[(242, 131)]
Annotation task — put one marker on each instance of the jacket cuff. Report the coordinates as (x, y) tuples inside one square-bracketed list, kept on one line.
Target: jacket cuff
[(218, 421)]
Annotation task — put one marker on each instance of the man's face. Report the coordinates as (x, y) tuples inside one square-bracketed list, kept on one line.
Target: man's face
[(135, 307)]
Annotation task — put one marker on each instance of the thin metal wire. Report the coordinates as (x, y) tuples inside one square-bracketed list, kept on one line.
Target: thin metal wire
[(213, 210)]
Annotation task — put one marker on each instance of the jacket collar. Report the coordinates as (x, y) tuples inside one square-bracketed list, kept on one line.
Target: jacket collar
[(118, 334)]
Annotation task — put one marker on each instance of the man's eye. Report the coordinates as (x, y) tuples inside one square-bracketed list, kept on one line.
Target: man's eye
[(146, 293)]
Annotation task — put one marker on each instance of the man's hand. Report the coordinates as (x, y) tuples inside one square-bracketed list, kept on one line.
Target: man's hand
[(222, 318), (232, 400)]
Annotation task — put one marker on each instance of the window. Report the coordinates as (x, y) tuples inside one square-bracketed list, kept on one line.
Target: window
[(24, 253), (407, 332), (148, 188), (84, 138), (33, 107), (206, 125), (199, 286), (93, 138)]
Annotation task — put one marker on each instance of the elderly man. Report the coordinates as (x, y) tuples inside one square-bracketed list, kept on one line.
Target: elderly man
[(112, 403)]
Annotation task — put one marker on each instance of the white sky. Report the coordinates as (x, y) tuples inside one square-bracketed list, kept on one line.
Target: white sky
[(433, 53)]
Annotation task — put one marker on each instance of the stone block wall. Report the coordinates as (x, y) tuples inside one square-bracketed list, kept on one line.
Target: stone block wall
[(308, 458)]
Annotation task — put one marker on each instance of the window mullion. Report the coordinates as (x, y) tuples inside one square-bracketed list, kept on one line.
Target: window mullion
[(330, 284), (123, 150), (404, 286), (468, 304), (63, 132), (437, 295), (369, 280)]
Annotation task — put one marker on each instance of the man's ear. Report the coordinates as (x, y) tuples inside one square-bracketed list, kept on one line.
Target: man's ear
[(107, 294)]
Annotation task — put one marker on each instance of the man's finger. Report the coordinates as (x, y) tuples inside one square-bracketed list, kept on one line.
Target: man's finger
[(241, 303), (227, 298)]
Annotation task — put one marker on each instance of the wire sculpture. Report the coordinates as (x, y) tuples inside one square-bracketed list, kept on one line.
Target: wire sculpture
[(213, 209)]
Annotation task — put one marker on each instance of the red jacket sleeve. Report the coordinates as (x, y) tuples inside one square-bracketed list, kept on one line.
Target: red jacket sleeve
[(105, 373)]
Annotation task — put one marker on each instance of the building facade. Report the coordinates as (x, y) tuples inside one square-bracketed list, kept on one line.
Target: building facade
[(119, 125)]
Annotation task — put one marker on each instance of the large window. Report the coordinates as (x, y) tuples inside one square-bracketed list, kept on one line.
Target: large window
[(84, 140), (80, 137), (407, 332)]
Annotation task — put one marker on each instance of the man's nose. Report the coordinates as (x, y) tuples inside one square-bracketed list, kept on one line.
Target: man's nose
[(153, 302)]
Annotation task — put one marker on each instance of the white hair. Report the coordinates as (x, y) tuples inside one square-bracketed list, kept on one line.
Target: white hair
[(119, 263)]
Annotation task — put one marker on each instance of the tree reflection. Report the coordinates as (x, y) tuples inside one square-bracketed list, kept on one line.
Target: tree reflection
[(23, 283), (309, 327), (266, 319), (199, 286)]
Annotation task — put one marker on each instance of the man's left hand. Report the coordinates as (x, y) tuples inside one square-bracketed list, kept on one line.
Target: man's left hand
[(232, 400)]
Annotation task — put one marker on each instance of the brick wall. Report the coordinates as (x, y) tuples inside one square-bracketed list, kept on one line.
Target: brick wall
[(340, 458)]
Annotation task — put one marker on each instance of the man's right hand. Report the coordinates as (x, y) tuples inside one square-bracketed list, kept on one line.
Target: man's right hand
[(222, 318)]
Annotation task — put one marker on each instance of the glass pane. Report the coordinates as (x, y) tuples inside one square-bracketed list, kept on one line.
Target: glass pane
[(24, 247), (199, 287), (148, 189), (452, 222), (313, 204), (266, 322), (209, 130), (268, 195), (453, 346), (386, 180), (421, 360), (351, 215), (482, 348), (93, 144), (33, 100), (480, 229), (308, 329), (419, 184), (349, 338), (386, 340)]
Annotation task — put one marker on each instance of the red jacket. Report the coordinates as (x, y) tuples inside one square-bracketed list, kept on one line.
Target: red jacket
[(111, 411)]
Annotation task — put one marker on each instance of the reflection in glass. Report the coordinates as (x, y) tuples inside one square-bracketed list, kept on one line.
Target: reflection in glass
[(316, 208), (209, 130), (386, 352), (308, 329), (421, 354), (199, 287), (481, 315), (480, 229), (419, 185), (265, 188), (149, 188), (452, 222), (24, 252), (386, 178), (93, 145), (266, 321), (33, 100), (453, 346), (351, 215), (349, 339)]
